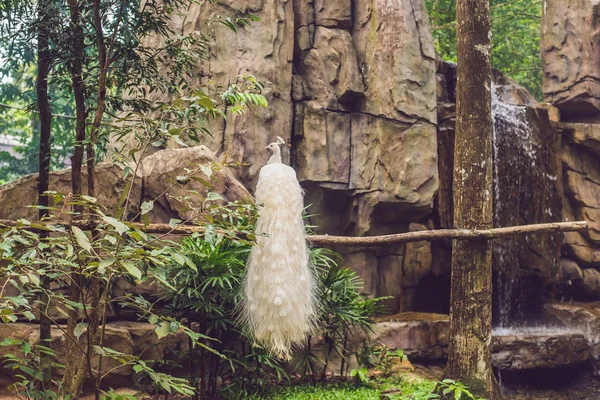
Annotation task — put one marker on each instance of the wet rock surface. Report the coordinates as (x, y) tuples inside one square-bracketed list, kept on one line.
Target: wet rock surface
[(524, 349)]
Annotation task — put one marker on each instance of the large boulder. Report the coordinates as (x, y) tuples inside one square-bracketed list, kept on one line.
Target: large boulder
[(570, 45), (17, 197), (539, 351), (582, 318), (156, 181), (183, 199)]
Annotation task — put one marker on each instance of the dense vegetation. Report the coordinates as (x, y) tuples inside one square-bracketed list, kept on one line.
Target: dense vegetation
[(515, 37)]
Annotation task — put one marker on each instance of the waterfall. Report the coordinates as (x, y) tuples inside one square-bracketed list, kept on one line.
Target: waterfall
[(524, 193)]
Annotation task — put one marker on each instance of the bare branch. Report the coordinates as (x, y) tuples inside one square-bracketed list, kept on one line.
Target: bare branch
[(342, 241)]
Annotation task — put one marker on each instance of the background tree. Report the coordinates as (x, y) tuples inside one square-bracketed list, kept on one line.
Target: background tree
[(469, 353), (515, 26)]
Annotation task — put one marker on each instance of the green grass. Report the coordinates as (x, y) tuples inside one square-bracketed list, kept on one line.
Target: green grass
[(411, 389)]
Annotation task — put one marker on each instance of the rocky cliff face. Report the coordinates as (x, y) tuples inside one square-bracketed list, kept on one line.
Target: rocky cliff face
[(570, 52), (351, 85), (571, 62)]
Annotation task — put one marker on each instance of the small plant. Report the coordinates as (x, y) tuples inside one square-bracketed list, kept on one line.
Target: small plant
[(26, 368), (360, 375), (446, 389), (451, 389), (385, 358)]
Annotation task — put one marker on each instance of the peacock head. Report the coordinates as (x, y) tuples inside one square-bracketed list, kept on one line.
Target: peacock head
[(274, 147), (275, 150)]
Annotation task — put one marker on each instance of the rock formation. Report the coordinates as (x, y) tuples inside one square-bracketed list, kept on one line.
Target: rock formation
[(570, 50), (571, 64), (156, 175), (351, 85)]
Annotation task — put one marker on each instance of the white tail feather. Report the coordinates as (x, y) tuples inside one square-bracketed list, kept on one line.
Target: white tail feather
[(280, 286)]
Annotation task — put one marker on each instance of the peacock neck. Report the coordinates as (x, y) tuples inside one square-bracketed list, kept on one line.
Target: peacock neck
[(276, 157)]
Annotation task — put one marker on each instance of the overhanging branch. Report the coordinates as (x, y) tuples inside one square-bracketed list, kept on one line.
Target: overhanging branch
[(341, 241)]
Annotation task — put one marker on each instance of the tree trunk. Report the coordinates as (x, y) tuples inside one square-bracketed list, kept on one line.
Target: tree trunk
[(78, 45), (469, 353), (43, 103), (75, 368)]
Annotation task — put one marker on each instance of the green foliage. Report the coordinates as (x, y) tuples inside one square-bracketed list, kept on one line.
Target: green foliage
[(403, 388), (337, 391), (207, 296), (119, 250), (150, 92), (19, 123), (343, 312), (360, 375), (454, 390), (25, 365), (515, 37)]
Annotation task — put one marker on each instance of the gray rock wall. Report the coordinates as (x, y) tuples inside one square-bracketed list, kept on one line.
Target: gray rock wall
[(571, 63), (570, 53), (351, 85)]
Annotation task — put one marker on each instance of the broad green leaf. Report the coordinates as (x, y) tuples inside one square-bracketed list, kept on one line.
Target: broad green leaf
[(174, 222), (34, 279), (81, 238), (29, 315), (213, 196), (162, 330), (79, 329), (146, 207), (107, 262), (190, 264), (133, 270), (207, 170), (118, 225), (179, 258)]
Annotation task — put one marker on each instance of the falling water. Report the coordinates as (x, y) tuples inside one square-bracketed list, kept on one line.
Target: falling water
[(524, 193)]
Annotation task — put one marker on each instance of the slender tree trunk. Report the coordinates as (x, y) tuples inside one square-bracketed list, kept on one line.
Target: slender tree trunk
[(79, 94), (76, 362), (44, 64), (469, 353), (103, 67)]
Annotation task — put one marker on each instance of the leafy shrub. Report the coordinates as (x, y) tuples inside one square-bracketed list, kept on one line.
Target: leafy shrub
[(207, 298)]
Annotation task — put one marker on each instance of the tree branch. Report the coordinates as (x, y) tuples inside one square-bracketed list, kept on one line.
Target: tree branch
[(341, 241)]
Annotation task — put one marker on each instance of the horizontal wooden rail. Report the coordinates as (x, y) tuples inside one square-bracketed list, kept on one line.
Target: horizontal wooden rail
[(457, 234), (327, 240)]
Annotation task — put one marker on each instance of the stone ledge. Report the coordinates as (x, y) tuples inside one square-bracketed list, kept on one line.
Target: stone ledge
[(586, 135)]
